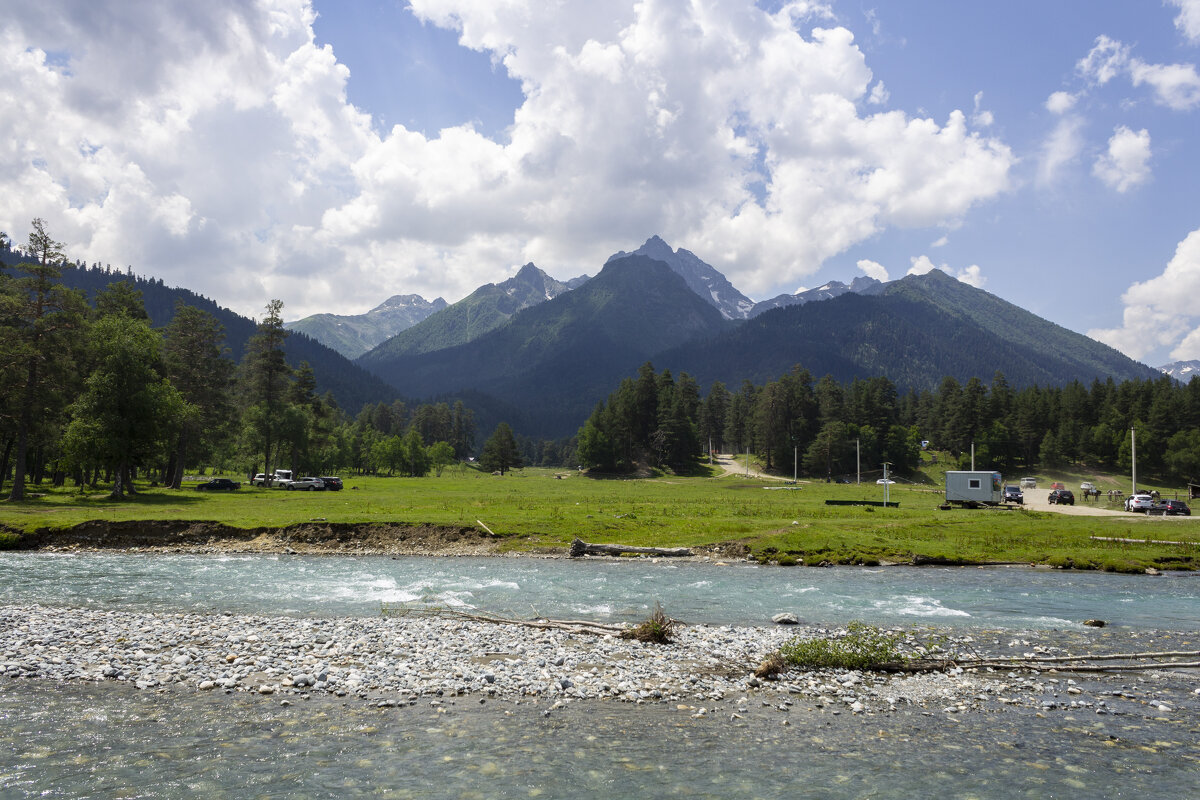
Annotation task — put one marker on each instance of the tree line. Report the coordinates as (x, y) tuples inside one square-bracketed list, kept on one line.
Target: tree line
[(826, 429), (96, 395)]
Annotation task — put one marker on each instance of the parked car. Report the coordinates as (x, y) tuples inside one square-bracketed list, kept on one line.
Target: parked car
[(1139, 502), (218, 485), (333, 484), (1013, 494), (259, 480), (1087, 486), (306, 484), (882, 481), (1028, 483), (1057, 485), (1062, 497), (1172, 508)]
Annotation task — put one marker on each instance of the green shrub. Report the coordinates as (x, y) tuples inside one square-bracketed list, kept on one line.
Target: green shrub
[(8, 541), (862, 647), (787, 561)]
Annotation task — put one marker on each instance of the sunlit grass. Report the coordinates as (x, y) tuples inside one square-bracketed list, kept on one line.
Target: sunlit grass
[(535, 508)]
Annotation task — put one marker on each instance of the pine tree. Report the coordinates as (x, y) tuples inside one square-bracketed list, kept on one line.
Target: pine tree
[(500, 452), (41, 324), (266, 378)]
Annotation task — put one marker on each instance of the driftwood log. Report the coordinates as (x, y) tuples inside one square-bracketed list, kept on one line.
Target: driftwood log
[(582, 548)]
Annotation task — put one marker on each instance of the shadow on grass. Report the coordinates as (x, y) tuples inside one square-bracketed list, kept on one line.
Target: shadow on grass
[(68, 497)]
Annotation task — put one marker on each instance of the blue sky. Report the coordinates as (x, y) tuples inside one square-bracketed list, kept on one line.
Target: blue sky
[(332, 154)]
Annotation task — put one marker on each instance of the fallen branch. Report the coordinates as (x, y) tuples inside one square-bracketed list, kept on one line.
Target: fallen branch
[(582, 548), (570, 625)]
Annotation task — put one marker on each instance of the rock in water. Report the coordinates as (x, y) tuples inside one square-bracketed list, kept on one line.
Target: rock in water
[(786, 618)]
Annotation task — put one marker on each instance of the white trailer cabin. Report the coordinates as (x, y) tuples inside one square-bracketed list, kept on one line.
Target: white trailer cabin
[(974, 488)]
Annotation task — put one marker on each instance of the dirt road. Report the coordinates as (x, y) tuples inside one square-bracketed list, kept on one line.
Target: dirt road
[(1036, 499)]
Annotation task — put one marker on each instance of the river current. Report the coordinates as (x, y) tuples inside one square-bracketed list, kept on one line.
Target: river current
[(620, 590), (110, 740)]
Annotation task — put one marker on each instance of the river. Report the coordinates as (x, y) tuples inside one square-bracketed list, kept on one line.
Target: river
[(80, 739)]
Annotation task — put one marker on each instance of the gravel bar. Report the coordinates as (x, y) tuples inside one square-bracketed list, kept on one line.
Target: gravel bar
[(398, 661)]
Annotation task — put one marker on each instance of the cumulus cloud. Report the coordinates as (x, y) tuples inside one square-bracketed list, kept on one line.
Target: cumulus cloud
[(214, 145), (1188, 20), (1176, 86), (941, 241), (1060, 102), (1126, 163), (873, 269), (971, 275), (1162, 311)]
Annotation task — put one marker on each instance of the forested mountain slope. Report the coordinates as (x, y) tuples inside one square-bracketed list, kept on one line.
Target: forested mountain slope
[(918, 330)]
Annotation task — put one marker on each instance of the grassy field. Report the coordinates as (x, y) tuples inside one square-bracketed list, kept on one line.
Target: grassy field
[(533, 508)]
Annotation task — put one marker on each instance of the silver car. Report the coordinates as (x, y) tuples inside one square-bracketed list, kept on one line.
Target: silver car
[(306, 484)]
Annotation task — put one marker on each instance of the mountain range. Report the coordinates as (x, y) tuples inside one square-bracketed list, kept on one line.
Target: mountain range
[(355, 334), (551, 361)]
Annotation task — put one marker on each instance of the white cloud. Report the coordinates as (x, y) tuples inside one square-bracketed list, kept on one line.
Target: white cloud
[(1126, 163), (1162, 311), (1060, 102), (1061, 147), (1188, 21), (922, 265), (941, 241), (982, 118), (1107, 59), (1176, 86), (873, 269), (213, 145), (971, 275)]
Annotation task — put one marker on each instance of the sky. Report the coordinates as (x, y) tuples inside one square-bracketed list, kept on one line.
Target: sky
[(332, 154)]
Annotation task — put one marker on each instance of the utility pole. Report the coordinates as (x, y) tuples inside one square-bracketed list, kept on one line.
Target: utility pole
[(795, 462), (857, 464), (747, 461), (1133, 458), (710, 451), (886, 484), (972, 455)]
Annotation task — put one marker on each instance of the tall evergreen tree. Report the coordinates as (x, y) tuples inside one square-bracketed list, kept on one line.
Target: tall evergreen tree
[(192, 355), (266, 378), (42, 322)]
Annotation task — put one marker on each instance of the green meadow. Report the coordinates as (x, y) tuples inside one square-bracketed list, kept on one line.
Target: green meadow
[(776, 521)]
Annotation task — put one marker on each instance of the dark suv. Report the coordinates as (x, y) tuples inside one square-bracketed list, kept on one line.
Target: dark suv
[(1013, 494), (1172, 507), (331, 483), (218, 485), (1062, 497)]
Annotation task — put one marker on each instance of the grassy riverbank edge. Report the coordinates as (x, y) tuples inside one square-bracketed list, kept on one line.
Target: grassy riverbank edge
[(540, 511)]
